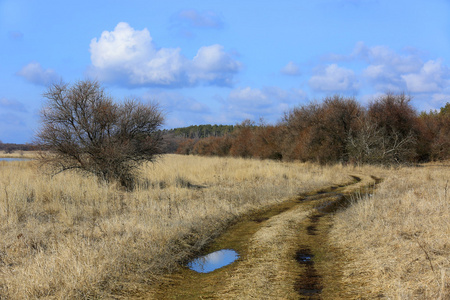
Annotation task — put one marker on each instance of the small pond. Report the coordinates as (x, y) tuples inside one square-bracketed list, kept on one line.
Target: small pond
[(13, 159), (213, 261)]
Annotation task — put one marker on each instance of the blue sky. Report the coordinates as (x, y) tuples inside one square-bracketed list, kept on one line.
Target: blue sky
[(220, 62)]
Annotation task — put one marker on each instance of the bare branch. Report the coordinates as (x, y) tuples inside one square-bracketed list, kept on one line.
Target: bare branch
[(83, 129)]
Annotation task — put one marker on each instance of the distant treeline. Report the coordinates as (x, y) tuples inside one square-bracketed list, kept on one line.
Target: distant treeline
[(200, 131), (338, 129), (10, 147)]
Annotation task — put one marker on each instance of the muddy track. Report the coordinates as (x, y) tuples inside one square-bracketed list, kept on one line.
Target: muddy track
[(284, 253)]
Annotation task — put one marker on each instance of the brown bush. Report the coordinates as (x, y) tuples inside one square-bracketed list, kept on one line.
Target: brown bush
[(267, 142), (83, 129), (435, 134), (186, 147), (320, 131), (243, 135), (395, 118)]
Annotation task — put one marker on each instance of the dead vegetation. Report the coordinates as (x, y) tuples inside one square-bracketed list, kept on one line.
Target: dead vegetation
[(69, 236), (396, 241)]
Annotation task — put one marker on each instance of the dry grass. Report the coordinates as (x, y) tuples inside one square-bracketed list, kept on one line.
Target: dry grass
[(20, 154), (397, 240), (70, 237)]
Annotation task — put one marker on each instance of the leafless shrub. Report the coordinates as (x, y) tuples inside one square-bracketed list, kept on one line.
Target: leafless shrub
[(84, 129), (372, 144)]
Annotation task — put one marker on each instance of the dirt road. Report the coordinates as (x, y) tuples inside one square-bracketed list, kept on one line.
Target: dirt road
[(284, 253)]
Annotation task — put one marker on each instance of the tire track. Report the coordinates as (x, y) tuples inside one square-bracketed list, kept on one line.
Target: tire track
[(281, 252)]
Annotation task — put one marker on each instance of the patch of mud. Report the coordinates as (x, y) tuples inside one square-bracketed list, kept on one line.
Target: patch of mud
[(308, 285), (260, 220), (312, 229)]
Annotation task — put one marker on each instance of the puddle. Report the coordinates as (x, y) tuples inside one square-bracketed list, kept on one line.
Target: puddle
[(13, 159), (310, 284), (304, 256), (213, 261)]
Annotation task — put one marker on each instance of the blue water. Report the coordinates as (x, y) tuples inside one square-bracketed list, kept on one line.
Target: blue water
[(13, 159), (213, 261)]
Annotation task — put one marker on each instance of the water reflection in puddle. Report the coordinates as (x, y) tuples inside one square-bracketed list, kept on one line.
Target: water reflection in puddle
[(213, 261), (13, 159)]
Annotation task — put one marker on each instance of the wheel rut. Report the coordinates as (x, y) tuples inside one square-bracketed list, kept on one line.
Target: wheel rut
[(283, 250)]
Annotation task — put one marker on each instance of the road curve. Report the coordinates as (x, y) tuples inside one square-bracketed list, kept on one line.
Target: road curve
[(283, 253)]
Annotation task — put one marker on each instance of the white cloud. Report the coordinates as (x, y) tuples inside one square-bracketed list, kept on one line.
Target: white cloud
[(291, 69), (432, 77), (268, 102), (380, 55), (388, 70), (440, 99), (384, 78), (248, 98), (34, 73), (334, 79), (129, 57), (400, 63), (212, 64), (385, 70)]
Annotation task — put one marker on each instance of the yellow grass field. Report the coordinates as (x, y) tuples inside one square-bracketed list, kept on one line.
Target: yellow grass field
[(71, 237), (397, 241), (68, 236)]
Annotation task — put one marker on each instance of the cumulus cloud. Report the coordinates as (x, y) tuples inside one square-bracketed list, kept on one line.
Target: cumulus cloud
[(432, 77), (387, 70), (245, 98), (129, 57), (206, 19), (384, 78), (12, 105), (34, 73), (334, 79), (268, 102), (212, 64), (291, 69), (380, 55)]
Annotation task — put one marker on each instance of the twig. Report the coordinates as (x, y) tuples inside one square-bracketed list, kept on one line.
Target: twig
[(429, 259), (445, 191)]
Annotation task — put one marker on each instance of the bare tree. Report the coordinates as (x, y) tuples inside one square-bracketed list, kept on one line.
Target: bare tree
[(82, 128), (372, 144)]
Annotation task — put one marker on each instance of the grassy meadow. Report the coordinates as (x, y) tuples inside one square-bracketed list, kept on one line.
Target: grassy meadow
[(397, 241), (69, 236)]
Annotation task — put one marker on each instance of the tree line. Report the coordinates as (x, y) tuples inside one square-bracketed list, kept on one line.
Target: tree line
[(199, 131), (12, 147), (339, 129)]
